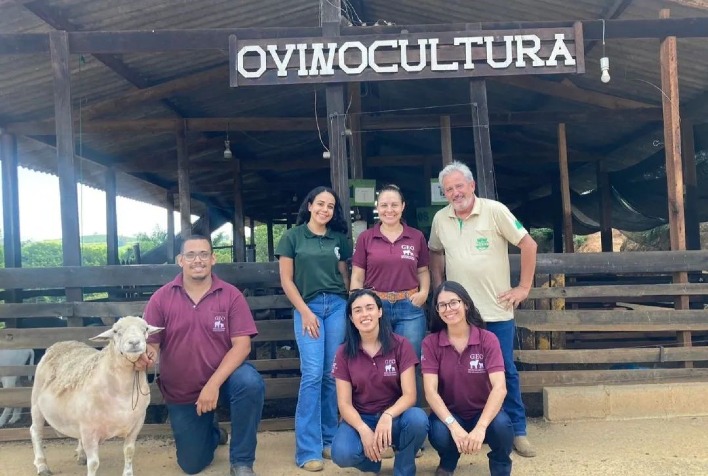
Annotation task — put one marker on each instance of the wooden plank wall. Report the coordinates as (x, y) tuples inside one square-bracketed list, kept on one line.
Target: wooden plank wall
[(623, 330)]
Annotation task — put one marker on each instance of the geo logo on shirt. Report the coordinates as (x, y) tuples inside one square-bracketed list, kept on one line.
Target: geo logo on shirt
[(476, 364), (219, 325), (390, 368)]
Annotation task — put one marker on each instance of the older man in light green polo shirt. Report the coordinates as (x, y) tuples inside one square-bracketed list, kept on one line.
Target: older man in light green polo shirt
[(469, 243)]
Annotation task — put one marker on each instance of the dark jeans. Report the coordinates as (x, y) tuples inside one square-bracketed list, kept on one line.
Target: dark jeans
[(499, 437), (513, 406), (196, 437), (408, 432)]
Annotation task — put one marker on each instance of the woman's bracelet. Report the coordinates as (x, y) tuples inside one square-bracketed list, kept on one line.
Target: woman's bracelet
[(389, 414)]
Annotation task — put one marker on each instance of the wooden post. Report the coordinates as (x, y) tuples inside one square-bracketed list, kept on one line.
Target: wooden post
[(271, 244), (111, 218), (603, 185), (238, 231), (674, 170), (11, 212), (331, 12), (185, 196), (486, 184), (446, 140), (557, 216), (688, 149), (356, 151), (170, 245), (565, 189), (64, 124)]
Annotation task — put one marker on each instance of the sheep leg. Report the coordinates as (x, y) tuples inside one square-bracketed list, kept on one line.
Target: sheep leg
[(90, 444), (5, 416), (16, 413), (36, 430), (80, 454), (129, 448)]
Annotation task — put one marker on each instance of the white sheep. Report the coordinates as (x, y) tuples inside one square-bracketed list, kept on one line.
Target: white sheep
[(93, 395), (13, 357)]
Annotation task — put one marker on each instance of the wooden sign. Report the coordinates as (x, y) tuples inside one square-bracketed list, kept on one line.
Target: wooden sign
[(451, 54)]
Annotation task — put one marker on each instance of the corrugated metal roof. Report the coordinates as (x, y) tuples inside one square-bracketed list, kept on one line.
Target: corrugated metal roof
[(26, 90)]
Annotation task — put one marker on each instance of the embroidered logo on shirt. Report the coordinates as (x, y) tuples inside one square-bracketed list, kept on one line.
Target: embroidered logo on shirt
[(476, 364), (219, 325), (482, 244), (518, 225), (390, 368), (336, 252), (407, 252), (334, 366)]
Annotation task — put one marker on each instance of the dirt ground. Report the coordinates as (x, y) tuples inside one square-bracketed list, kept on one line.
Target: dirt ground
[(638, 447)]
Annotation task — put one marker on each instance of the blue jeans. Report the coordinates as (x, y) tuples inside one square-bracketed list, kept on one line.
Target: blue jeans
[(316, 412), (408, 432), (408, 321), (196, 437), (499, 437), (513, 406)]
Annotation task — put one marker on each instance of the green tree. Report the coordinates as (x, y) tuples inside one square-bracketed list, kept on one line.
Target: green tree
[(261, 239), (42, 254)]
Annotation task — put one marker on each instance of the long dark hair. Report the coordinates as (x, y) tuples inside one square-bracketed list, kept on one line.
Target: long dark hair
[(472, 315), (352, 338), (337, 223)]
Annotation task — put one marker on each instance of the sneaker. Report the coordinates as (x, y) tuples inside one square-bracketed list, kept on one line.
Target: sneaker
[(327, 453), (439, 471), (313, 466), (523, 447), (223, 438), (241, 471)]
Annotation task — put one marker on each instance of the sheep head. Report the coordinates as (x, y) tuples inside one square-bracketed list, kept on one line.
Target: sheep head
[(128, 336)]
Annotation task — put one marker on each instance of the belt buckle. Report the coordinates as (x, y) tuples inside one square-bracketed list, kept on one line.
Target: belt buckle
[(391, 296)]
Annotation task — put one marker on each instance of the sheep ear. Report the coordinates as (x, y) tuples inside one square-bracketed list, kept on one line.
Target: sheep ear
[(153, 329), (103, 336)]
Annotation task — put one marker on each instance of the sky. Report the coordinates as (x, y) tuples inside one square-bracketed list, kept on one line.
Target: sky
[(40, 216)]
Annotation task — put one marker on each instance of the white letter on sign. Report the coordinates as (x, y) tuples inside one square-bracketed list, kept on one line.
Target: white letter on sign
[(434, 65), (467, 41), (320, 66), (531, 51), (560, 48), (489, 41), (281, 65), (364, 55), (422, 56), (372, 56), (242, 69)]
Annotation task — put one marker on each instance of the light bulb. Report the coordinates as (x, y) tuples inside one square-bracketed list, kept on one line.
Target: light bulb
[(605, 69), (227, 150)]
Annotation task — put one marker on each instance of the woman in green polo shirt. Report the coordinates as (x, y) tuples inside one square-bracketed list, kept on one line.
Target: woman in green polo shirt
[(314, 276)]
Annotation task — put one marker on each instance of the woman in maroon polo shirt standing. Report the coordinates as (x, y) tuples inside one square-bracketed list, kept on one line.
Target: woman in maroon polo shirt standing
[(392, 259), (463, 377), (374, 370)]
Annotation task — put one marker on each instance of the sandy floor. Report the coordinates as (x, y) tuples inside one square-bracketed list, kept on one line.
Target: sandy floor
[(639, 447)]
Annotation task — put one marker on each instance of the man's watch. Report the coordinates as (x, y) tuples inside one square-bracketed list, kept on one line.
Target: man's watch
[(450, 420)]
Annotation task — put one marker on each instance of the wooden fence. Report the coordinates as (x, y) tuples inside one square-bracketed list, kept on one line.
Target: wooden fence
[(586, 332)]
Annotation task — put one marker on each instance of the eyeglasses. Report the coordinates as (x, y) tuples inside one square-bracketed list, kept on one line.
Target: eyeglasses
[(192, 255), (453, 304)]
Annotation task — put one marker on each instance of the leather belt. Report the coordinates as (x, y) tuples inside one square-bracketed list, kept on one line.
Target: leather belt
[(394, 296)]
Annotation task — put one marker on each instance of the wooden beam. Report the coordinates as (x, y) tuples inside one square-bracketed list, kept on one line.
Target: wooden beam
[(688, 150), (609, 356), (356, 153), (699, 4), (170, 251), (605, 204), (183, 179), (486, 183), (445, 140), (368, 123), (271, 243), (571, 93), (610, 12), (239, 234), (668, 58), (10, 201), (565, 189), (111, 218)]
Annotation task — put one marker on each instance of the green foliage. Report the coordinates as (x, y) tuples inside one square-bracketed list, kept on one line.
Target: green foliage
[(261, 239), (42, 254)]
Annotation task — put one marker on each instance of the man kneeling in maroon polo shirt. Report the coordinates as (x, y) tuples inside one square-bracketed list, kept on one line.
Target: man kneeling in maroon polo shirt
[(202, 354)]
